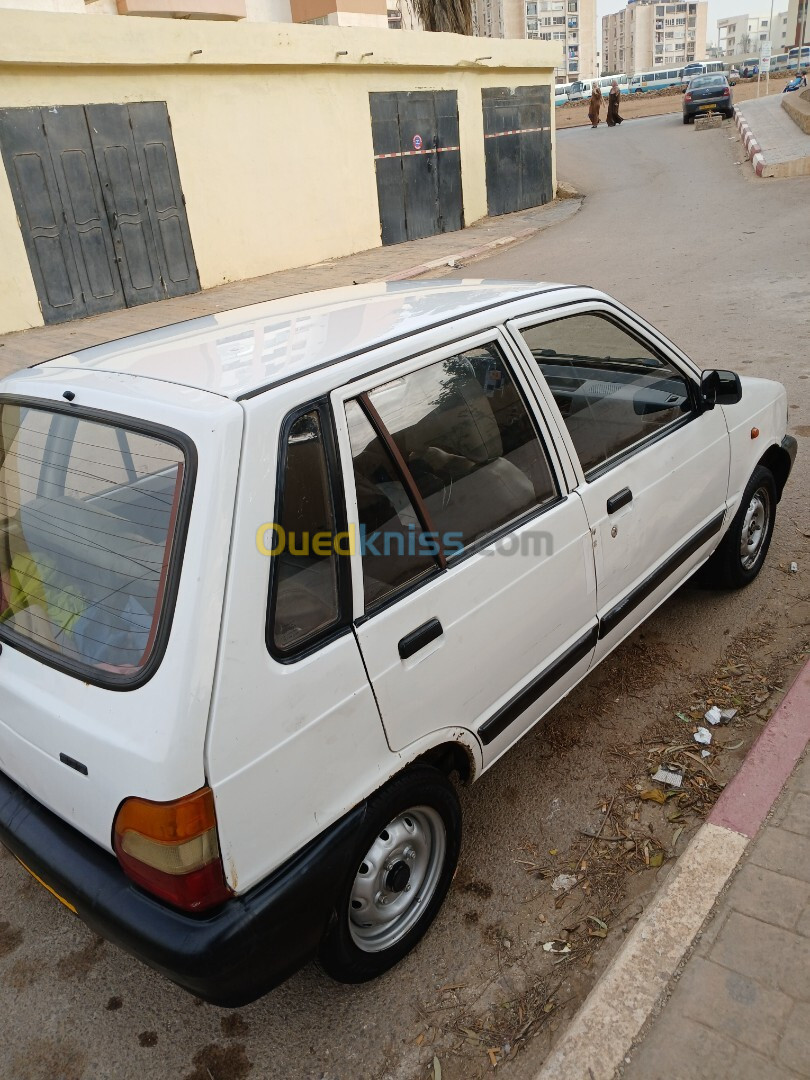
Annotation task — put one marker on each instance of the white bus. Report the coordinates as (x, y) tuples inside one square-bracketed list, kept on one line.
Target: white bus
[(562, 92), (703, 67), (582, 88), (780, 62), (655, 80), (793, 58)]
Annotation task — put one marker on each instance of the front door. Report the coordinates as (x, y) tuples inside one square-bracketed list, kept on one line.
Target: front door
[(653, 466), (475, 588)]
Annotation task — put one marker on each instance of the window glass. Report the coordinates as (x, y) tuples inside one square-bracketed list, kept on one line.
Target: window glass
[(306, 551), (469, 443), (394, 551), (611, 390), (88, 516)]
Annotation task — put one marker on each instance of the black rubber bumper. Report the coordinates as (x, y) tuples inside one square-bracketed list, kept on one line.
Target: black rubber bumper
[(230, 957), (790, 446)]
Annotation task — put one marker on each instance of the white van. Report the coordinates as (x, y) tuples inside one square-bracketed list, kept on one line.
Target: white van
[(271, 578)]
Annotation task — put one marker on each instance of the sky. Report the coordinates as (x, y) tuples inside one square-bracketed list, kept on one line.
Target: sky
[(718, 9)]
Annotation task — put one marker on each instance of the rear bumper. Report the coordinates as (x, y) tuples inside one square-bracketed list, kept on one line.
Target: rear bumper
[(693, 108), (229, 957)]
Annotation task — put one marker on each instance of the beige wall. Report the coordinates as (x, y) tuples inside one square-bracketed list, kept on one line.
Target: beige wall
[(270, 124)]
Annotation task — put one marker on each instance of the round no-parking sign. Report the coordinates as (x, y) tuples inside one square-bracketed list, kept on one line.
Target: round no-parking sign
[(417, 142)]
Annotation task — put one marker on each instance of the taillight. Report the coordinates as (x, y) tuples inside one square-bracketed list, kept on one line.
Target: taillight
[(687, 97), (171, 849), (726, 92)]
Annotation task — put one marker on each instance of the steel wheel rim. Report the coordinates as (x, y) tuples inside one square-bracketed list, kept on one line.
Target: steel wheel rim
[(397, 879), (755, 528)]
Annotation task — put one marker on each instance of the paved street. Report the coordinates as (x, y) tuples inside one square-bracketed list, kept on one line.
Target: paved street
[(717, 259)]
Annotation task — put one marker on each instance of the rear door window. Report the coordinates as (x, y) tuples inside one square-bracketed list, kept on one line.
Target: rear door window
[(444, 458), (90, 518)]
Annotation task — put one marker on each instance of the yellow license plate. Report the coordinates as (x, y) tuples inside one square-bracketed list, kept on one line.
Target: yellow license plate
[(707, 107), (45, 885)]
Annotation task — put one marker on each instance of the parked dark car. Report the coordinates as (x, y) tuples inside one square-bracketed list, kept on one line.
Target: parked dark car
[(706, 94)]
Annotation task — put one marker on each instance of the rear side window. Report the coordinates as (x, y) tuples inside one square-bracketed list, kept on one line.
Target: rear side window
[(90, 515), (305, 543)]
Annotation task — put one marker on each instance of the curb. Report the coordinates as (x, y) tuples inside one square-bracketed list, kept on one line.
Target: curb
[(615, 1011), (752, 147), (468, 254)]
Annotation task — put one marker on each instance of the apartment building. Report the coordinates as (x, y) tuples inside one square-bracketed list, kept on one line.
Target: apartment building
[(570, 24), (742, 34), (645, 35)]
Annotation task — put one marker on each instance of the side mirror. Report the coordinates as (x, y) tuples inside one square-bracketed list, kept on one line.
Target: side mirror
[(720, 387)]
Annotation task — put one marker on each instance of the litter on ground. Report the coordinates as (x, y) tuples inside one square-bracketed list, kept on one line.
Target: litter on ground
[(668, 776), (564, 882), (703, 736)]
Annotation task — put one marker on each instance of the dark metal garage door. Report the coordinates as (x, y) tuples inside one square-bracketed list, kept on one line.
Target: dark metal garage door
[(517, 143), (418, 161), (98, 197)]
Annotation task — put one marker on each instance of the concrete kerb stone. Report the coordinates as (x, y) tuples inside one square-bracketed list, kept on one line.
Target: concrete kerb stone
[(614, 1013), (752, 148)]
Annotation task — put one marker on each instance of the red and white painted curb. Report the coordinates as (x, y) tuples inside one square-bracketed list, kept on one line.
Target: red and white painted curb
[(752, 147), (615, 1011)]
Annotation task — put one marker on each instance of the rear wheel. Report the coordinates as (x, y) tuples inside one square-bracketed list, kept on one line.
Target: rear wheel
[(742, 551), (686, 119), (404, 861)]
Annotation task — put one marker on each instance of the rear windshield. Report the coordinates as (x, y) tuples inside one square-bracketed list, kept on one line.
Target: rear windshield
[(708, 80), (89, 517)]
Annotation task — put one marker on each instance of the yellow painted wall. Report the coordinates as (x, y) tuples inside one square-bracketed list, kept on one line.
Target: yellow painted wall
[(271, 125)]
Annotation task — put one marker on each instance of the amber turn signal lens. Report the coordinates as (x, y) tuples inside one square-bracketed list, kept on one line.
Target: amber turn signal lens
[(754, 432)]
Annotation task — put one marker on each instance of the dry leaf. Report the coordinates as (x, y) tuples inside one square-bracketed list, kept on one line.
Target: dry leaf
[(437, 1069), (493, 1056), (653, 796)]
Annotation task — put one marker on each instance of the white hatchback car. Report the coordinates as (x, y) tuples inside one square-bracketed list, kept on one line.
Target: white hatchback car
[(270, 577)]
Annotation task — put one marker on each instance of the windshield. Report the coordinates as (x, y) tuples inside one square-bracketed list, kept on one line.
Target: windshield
[(707, 80), (89, 515)]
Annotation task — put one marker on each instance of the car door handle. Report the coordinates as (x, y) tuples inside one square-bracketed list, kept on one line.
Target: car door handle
[(419, 638), (620, 499)]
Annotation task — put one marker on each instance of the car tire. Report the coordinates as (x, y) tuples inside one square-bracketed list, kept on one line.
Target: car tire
[(743, 549), (686, 119), (729, 114), (403, 863)]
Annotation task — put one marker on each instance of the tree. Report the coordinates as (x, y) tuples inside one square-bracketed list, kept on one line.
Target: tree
[(450, 16)]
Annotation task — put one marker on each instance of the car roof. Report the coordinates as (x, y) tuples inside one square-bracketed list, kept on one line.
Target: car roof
[(241, 352)]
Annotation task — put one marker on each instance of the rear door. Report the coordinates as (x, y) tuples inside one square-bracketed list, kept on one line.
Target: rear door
[(653, 468), (474, 589)]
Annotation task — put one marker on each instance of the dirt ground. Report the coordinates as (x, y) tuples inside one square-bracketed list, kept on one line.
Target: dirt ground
[(659, 103)]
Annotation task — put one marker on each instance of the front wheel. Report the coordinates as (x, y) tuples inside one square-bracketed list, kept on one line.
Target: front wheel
[(404, 861), (742, 550)]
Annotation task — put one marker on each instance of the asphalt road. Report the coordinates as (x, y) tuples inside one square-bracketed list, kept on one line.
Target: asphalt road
[(720, 262)]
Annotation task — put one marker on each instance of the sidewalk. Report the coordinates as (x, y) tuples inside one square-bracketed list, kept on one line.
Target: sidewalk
[(411, 259), (713, 983), (741, 1008), (775, 144)]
